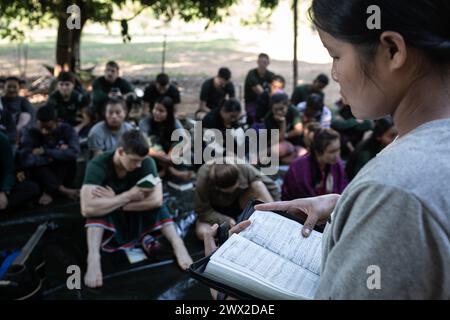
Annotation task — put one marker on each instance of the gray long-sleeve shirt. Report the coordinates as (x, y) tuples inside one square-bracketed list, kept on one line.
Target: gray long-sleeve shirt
[(394, 218)]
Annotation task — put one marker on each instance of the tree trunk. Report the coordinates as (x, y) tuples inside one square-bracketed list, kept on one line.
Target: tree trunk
[(68, 41), (295, 63), (63, 46)]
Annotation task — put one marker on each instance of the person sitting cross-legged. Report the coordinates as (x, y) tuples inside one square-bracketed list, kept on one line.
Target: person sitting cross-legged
[(119, 213), (104, 135), (13, 193), (49, 152), (66, 100)]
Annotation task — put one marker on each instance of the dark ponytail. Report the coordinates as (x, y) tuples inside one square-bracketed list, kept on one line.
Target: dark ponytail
[(424, 24)]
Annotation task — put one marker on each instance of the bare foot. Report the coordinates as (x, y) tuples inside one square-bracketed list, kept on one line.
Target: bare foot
[(45, 199), (93, 277), (73, 194), (184, 260)]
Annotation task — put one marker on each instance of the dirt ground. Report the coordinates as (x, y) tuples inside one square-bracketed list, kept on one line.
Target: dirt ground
[(190, 69), (189, 82)]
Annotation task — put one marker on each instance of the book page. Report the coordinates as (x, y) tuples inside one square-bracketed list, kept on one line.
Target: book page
[(249, 267), (283, 237)]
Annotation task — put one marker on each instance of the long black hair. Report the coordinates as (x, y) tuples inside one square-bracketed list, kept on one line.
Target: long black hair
[(166, 127), (424, 24)]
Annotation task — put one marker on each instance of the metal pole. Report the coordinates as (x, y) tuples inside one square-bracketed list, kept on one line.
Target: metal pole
[(295, 63), (164, 54)]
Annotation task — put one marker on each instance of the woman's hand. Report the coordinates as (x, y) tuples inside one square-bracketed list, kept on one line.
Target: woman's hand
[(317, 210)]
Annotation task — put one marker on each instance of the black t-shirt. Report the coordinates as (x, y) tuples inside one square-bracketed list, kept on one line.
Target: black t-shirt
[(213, 120), (292, 118), (101, 88), (68, 110), (253, 79), (213, 96), (263, 105), (151, 94)]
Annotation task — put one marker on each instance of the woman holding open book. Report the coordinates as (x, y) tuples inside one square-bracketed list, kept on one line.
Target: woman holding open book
[(388, 237)]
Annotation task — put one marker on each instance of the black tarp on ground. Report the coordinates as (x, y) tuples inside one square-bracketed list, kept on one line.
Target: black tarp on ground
[(156, 278)]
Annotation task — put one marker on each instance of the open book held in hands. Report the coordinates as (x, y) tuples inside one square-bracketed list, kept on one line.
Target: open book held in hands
[(268, 260), (149, 181)]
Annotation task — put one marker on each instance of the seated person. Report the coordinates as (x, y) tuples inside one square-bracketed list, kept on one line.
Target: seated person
[(313, 109), (383, 134), (256, 82), (352, 130), (161, 88), (214, 91), (302, 92), (50, 152), (2, 86), (159, 128), (286, 119), (23, 113), (66, 100), (13, 193), (308, 133), (86, 124), (108, 85), (120, 214), (104, 135), (263, 104), (8, 126), (224, 117), (134, 108), (223, 190), (319, 172)]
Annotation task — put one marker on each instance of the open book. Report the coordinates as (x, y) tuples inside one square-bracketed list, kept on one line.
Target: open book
[(149, 181), (269, 260)]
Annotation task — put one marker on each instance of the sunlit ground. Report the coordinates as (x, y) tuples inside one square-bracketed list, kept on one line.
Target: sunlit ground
[(190, 50)]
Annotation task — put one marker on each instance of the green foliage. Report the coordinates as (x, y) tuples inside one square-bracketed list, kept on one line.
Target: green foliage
[(18, 17)]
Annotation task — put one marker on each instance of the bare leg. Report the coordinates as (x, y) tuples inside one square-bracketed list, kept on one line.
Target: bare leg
[(181, 254), (93, 277)]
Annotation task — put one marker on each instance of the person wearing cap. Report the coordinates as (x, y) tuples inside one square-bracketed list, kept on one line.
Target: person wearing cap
[(49, 153), (66, 100)]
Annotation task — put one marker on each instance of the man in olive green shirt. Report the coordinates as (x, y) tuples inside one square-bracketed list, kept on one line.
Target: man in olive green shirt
[(223, 190)]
